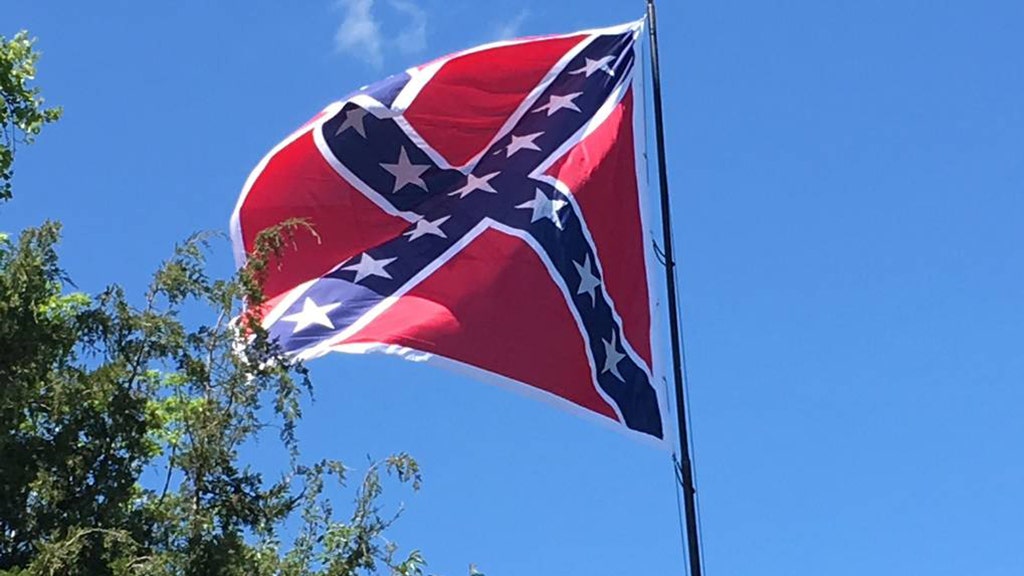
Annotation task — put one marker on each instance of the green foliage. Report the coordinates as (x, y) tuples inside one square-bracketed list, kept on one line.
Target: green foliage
[(98, 392), (22, 115)]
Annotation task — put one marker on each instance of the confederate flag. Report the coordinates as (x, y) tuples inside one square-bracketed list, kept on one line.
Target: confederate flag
[(483, 211)]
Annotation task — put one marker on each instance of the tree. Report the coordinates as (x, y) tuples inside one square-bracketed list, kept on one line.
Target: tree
[(22, 115), (96, 391)]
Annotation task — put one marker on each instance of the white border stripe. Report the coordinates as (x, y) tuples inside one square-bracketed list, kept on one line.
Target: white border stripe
[(237, 240), (647, 217)]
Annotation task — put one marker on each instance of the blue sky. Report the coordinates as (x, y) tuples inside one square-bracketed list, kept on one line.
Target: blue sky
[(848, 181)]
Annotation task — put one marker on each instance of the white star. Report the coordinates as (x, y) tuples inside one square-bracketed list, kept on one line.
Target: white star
[(556, 103), (612, 357), (354, 120), (311, 314), (424, 227), (592, 66), (544, 207), (405, 172), (522, 143), (588, 282), (367, 267), (474, 183)]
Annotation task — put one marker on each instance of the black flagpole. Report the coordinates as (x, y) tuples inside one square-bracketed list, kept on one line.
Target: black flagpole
[(685, 465)]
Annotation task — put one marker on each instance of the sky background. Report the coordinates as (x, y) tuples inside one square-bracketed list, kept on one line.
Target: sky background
[(848, 184)]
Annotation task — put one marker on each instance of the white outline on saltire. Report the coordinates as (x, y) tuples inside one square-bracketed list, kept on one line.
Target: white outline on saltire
[(599, 118), (485, 224), (525, 106), (419, 78)]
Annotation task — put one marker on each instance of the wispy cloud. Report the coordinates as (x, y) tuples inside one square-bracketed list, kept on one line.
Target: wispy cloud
[(362, 34), (413, 38), (359, 32), (510, 28)]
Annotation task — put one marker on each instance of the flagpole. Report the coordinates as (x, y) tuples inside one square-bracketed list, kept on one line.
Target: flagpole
[(685, 465)]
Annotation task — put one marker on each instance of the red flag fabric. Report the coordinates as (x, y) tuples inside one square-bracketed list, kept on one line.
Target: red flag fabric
[(483, 211)]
